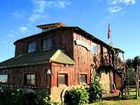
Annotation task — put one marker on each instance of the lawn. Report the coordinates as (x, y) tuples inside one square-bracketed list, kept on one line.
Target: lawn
[(118, 102), (129, 100)]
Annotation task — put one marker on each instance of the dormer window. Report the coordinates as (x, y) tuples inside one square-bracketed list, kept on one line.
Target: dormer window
[(47, 44), (31, 47)]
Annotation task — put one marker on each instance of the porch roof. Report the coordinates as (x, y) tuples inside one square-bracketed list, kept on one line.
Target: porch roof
[(40, 57)]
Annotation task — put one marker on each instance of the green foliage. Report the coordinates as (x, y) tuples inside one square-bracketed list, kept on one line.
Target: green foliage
[(133, 63), (131, 77), (129, 62), (131, 70), (117, 102), (136, 61), (11, 97), (95, 91), (14, 96), (26, 96), (76, 96), (47, 101)]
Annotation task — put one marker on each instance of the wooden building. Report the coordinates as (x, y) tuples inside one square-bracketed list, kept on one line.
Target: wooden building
[(61, 57)]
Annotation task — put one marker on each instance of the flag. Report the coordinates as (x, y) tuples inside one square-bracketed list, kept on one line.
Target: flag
[(109, 31)]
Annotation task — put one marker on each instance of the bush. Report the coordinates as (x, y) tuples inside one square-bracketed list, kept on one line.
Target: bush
[(76, 96), (95, 91), (24, 96), (11, 97), (47, 101)]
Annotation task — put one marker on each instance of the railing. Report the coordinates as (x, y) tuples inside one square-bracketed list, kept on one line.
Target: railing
[(118, 63)]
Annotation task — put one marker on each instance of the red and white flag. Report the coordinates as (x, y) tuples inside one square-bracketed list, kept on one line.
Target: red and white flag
[(109, 32)]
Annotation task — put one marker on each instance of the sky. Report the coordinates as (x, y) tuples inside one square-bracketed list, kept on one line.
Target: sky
[(19, 18)]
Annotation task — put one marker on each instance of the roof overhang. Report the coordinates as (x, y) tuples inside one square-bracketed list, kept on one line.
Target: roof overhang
[(36, 58)]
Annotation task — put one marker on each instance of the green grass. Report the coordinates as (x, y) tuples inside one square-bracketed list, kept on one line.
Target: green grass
[(129, 100), (118, 102)]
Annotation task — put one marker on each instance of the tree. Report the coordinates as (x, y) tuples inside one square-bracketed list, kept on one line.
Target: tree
[(131, 70), (133, 63), (129, 62), (136, 62)]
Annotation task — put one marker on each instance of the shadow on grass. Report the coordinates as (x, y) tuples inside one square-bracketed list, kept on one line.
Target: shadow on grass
[(125, 97)]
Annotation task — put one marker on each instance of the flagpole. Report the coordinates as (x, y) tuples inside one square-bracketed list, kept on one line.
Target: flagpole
[(109, 36), (110, 43)]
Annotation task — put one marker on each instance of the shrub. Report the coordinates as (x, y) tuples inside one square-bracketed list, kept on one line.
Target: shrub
[(95, 91), (47, 101), (11, 96), (76, 96), (23, 96)]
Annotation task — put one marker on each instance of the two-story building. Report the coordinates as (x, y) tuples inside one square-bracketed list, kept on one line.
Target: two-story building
[(60, 57)]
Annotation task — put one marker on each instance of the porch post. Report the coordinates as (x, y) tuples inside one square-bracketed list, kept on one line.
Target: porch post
[(111, 79)]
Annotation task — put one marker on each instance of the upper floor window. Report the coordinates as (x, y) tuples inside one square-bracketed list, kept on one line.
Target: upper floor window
[(94, 49), (32, 47), (47, 44), (30, 79), (3, 78)]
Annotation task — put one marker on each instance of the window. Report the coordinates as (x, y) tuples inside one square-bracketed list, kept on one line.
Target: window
[(3, 78), (62, 79), (47, 44), (30, 79), (32, 47), (94, 49), (83, 78)]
